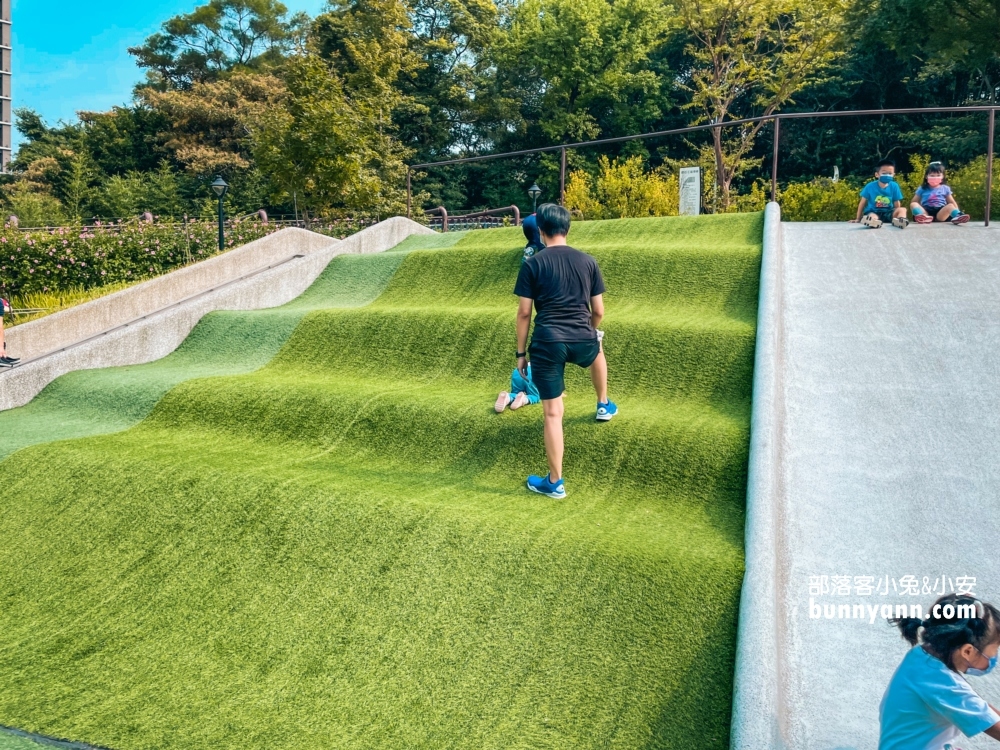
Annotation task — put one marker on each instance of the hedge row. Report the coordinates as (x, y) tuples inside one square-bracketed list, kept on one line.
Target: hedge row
[(52, 260)]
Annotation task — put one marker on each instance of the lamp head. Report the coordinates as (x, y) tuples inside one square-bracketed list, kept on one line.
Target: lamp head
[(534, 191), (220, 186)]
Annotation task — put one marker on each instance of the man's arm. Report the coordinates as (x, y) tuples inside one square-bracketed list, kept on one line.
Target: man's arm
[(596, 310), (523, 324)]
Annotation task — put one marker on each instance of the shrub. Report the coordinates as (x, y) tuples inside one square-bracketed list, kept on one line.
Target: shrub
[(821, 199), (622, 189), (87, 257)]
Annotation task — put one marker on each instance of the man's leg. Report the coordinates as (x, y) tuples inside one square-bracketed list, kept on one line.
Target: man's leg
[(599, 377), (553, 408)]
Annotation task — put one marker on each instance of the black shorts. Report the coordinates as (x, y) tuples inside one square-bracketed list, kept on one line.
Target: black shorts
[(885, 214), (548, 363)]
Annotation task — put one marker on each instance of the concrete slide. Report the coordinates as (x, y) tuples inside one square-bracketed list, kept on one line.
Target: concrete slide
[(148, 321), (874, 473)]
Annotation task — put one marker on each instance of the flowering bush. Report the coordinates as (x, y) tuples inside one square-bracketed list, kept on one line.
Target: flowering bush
[(51, 260)]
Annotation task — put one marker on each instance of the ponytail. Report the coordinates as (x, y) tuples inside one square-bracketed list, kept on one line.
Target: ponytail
[(943, 635), (909, 627)]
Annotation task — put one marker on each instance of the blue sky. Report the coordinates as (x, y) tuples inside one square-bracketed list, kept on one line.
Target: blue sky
[(71, 55)]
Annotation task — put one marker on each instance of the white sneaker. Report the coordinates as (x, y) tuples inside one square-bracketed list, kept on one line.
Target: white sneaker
[(502, 400), (900, 221), (872, 220)]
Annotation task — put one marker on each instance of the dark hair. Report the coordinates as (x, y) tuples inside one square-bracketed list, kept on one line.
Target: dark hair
[(552, 220), (935, 167), (945, 635), (885, 163)]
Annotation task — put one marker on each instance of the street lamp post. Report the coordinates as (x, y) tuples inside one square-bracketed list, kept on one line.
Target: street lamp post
[(534, 192), (220, 187)]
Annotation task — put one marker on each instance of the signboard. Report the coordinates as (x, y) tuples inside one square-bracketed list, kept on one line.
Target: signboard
[(690, 181)]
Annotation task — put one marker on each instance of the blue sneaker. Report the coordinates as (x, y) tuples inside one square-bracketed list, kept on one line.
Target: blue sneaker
[(606, 410), (543, 486)]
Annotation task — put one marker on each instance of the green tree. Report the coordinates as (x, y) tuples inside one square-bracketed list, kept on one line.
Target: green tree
[(216, 37), (123, 196), (439, 108), (366, 43), (208, 123), (749, 58), (79, 184), (327, 149), (581, 68)]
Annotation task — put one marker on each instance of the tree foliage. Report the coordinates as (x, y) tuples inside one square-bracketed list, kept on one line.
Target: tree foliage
[(751, 57), (321, 113), (198, 47)]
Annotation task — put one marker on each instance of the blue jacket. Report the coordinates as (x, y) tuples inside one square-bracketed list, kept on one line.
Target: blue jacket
[(530, 228)]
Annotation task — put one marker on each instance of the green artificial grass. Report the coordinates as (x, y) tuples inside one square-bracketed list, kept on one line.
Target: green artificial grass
[(335, 550), (14, 742), (95, 402)]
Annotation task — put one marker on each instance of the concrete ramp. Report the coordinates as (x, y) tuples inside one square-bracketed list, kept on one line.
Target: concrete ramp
[(874, 467), (148, 321)]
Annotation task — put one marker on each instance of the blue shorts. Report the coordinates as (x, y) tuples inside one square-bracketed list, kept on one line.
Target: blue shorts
[(548, 363)]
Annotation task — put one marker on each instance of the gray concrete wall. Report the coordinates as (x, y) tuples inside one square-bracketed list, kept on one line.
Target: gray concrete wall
[(875, 436), (149, 321), (758, 710), (55, 331)]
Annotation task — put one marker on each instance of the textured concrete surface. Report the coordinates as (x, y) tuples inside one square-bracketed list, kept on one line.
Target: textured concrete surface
[(876, 426), (55, 331), (166, 316)]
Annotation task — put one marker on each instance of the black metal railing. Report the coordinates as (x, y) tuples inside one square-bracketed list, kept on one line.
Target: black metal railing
[(776, 118)]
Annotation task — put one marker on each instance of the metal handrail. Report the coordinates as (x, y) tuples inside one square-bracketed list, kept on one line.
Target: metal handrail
[(776, 118), (491, 212), (443, 213)]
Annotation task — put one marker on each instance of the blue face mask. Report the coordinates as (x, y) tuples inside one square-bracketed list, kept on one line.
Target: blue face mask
[(980, 672), (885, 178)]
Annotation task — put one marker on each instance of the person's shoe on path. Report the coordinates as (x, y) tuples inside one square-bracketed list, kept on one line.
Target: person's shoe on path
[(957, 217), (900, 221), (871, 220), (606, 411), (923, 218), (543, 486)]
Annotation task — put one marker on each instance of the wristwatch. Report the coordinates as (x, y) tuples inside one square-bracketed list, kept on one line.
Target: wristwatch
[(521, 354)]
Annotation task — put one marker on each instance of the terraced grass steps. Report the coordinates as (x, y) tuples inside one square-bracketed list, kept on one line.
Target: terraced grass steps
[(95, 402), (336, 549)]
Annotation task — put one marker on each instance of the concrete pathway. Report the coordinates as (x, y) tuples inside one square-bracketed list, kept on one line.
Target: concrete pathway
[(875, 467)]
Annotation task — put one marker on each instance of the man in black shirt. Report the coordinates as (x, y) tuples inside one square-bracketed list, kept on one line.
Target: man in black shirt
[(565, 287)]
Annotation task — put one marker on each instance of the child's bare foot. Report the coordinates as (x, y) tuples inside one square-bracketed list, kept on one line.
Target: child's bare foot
[(502, 400)]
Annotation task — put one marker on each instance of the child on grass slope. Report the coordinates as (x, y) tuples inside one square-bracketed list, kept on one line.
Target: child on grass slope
[(934, 201), (882, 199), (929, 703), (522, 392)]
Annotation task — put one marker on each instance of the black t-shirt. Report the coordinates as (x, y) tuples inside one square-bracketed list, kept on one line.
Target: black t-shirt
[(561, 281)]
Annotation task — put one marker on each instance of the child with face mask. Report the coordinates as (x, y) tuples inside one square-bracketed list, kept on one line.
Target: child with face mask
[(929, 703), (934, 200), (881, 199)]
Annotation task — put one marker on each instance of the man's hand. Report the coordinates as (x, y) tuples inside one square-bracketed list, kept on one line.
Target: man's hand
[(522, 366)]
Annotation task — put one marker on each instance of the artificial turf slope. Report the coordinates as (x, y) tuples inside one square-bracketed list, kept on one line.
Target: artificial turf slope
[(336, 550)]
